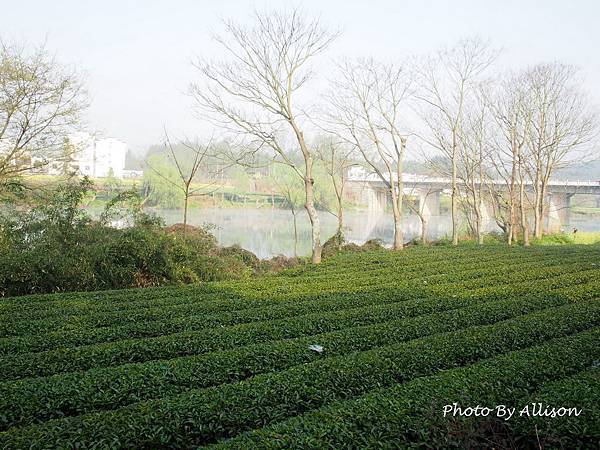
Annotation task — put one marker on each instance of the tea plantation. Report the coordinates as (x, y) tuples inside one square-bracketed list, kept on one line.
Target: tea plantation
[(362, 351)]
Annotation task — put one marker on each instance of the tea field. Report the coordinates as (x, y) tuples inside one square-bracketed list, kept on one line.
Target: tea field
[(362, 351)]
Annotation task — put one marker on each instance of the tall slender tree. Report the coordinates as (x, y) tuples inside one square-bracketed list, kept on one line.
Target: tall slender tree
[(368, 99), (562, 123), (191, 160), (447, 79), (336, 158), (254, 92)]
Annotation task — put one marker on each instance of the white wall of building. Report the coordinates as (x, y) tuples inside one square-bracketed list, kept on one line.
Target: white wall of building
[(96, 157)]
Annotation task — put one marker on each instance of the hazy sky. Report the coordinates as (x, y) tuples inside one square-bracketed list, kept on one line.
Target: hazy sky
[(137, 54)]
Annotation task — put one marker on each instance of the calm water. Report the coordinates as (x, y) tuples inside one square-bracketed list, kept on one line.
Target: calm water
[(268, 232)]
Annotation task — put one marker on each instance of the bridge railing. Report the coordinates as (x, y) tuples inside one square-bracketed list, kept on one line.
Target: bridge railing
[(416, 179)]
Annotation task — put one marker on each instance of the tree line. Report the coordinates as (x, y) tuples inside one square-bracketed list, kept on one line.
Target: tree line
[(471, 120)]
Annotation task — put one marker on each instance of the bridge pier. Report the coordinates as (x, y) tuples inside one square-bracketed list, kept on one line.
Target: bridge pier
[(559, 211), (429, 203), (487, 214), (376, 199)]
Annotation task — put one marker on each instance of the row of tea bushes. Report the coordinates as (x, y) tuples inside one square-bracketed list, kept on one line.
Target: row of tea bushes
[(201, 416)]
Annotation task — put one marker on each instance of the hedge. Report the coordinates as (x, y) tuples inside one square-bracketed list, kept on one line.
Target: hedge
[(37, 320), (411, 413), (205, 415), (40, 399), (45, 363)]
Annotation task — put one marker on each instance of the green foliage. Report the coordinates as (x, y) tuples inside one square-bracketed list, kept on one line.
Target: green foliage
[(56, 247), (127, 206), (554, 239), (101, 386), (111, 183), (324, 189), (160, 182), (333, 245), (411, 412), (44, 246), (228, 363), (228, 408), (289, 185), (241, 180)]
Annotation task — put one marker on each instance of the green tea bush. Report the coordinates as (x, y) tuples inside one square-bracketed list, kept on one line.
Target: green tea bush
[(76, 392), (554, 239), (203, 416), (361, 351), (410, 413)]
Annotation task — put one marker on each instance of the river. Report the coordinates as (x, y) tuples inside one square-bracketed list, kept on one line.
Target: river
[(269, 232)]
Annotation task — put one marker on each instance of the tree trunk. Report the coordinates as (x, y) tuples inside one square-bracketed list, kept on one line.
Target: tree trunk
[(310, 195), (295, 233), (397, 214), (478, 227), (398, 239), (477, 211), (185, 211), (538, 205), (398, 235), (542, 208), (524, 222), (423, 229), (340, 227), (454, 205), (340, 214), (513, 204), (313, 217)]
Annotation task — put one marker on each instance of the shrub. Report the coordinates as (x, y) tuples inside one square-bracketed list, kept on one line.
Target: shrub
[(554, 239), (198, 238), (281, 262), (125, 384), (333, 245), (401, 333), (235, 251), (56, 247), (202, 416)]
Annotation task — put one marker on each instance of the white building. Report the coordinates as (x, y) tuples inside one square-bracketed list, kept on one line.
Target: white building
[(96, 157)]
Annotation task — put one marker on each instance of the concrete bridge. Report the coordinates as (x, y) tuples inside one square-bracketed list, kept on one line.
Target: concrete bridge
[(372, 191)]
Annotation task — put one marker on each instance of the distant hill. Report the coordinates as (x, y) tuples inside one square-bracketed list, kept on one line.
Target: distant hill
[(584, 171)]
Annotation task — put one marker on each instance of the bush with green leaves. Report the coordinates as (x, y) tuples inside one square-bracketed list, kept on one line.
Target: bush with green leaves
[(56, 247)]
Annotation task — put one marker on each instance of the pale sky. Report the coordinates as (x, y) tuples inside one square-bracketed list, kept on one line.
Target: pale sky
[(137, 54)]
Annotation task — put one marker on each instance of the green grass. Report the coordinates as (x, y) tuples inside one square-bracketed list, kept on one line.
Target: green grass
[(586, 210), (229, 364), (587, 237), (581, 237)]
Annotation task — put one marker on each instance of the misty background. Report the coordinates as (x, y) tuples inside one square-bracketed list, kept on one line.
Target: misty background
[(136, 55)]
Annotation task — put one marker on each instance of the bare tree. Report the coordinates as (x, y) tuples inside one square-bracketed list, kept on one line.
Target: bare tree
[(473, 154), (337, 158), (192, 160), (446, 81), (419, 210), (254, 92), (561, 124), (511, 112), (40, 104), (368, 100)]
